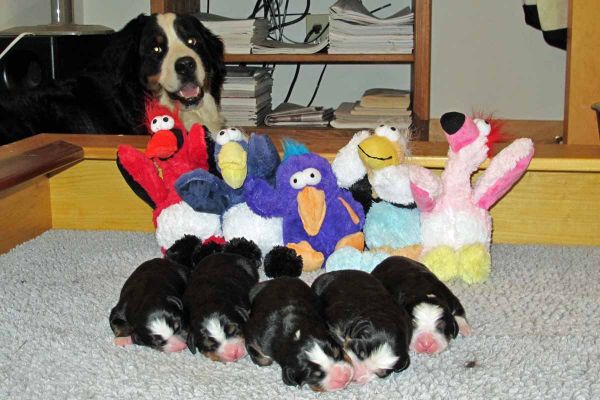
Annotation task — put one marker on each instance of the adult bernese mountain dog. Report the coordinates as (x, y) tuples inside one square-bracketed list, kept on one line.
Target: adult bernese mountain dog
[(172, 57)]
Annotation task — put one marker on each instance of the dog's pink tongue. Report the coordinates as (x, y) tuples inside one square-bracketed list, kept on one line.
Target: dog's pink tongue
[(189, 90)]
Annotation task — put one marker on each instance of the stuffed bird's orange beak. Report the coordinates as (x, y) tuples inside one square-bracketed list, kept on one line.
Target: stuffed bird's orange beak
[(312, 209), (163, 144)]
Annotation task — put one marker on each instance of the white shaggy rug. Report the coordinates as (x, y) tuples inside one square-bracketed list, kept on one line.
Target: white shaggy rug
[(536, 322)]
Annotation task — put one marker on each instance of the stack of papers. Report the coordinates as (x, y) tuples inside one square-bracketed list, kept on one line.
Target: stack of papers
[(354, 30), (376, 107), (268, 46), (289, 114), (383, 102), (246, 95), (238, 35)]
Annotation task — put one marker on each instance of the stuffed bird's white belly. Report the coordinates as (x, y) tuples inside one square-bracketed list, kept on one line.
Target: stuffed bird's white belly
[(455, 228), (241, 221), (180, 219)]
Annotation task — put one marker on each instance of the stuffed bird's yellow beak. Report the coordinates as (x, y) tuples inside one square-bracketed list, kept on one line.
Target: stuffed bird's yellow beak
[(232, 161), (312, 208), (379, 152)]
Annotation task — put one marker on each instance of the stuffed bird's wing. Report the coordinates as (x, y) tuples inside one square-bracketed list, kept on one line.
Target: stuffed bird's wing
[(263, 158), (141, 175), (204, 192), (504, 171), (425, 186), (262, 198)]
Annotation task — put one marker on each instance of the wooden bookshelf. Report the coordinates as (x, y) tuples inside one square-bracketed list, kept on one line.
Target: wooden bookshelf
[(420, 71)]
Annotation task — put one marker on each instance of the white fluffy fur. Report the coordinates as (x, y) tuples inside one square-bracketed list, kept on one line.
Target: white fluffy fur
[(425, 316), (215, 329), (180, 219), (318, 356), (207, 112), (240, 221), (347, 165), (160, 327), (392, 184), (464, 228)]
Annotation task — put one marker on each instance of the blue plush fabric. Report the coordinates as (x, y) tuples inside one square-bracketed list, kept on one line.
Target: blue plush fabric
[(205, 192), (395, 227), (351, 258), (281, 201)]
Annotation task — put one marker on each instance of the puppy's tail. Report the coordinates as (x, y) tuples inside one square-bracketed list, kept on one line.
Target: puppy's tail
[(184, 250), (245, 248)]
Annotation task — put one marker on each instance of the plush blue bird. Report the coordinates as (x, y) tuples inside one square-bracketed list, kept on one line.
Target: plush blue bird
[(318, 216), (237, 157)]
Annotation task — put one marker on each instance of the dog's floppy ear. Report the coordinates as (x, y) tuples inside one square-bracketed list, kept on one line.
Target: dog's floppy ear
[(289, 377), (191, 342), (176, 301), (118, 321), (321, 283), (121, 56), (213, 53)]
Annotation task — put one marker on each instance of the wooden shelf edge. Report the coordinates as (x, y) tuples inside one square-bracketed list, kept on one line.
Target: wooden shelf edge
[(319, 58), (548, 157), (38, 161)]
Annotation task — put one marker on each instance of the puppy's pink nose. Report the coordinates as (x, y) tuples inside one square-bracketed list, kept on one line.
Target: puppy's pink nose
[(426, 343), (174, 344), (233, 352), (340, 376)]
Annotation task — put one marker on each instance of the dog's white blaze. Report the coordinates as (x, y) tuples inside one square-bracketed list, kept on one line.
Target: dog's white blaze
[(176, 49), (215, 330), (317, 355), (382, 358), (425, 316), (160, 327)]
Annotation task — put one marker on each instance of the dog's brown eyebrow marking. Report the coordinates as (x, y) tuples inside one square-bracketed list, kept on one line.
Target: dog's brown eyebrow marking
[(160, 39)]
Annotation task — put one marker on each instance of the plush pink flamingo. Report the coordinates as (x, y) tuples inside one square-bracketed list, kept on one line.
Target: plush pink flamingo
[(456, 225)]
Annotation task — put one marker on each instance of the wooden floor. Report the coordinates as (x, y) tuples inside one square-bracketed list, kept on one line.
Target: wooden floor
[(72, 182)]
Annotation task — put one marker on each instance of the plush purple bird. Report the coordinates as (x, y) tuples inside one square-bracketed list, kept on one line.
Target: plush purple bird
[(318, 216)]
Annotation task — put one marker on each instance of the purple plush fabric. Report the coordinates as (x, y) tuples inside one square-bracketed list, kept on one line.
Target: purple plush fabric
[(281, 201)]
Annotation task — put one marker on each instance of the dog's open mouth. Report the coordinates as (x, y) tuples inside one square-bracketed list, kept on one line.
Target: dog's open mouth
[(189, 95)]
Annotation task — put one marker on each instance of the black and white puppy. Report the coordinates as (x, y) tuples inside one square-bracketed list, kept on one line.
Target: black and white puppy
[(286, 326), (216, 302), (150, 310), (437, 314), (374, 330)]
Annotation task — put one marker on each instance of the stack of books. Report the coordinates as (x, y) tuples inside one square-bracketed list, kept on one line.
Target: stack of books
[(238, 35), (376, 106), (246, 95), (353, 29), (289, 114)]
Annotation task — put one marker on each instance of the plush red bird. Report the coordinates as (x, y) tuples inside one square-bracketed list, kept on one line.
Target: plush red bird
[(170, 152)]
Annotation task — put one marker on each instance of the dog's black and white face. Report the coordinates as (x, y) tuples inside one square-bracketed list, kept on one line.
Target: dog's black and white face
[(374, 353), (181, 62), (317, 362), (161, 331), (219, 336), (434, 325)]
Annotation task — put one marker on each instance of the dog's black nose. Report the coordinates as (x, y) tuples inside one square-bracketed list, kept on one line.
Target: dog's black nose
[(185, 65), (452, 121)]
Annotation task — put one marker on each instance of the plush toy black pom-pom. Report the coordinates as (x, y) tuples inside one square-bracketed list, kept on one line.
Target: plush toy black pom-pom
[(182, 250), (245, 248), (282, 261), (206, 250)]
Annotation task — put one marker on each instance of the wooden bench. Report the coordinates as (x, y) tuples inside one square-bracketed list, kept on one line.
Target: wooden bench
[(52, 181)]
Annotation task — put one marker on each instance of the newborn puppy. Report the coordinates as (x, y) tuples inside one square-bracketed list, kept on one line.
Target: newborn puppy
[(364, 316), (436, 312), (216, 300), (286, 326), (149, 311)]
